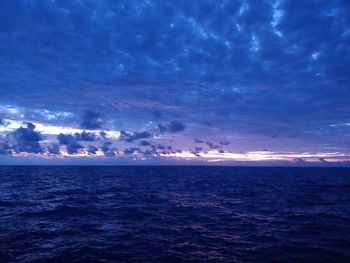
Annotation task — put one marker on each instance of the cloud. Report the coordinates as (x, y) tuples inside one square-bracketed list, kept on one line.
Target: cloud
[(131, 150), (30, 126), (158, 149), (213, 146), (72, 146), (92, 149), (172, 127), (4, 148), (103, 135), (25, 140), (144, 143), (85, 136), (107, 150), (197, 150), (245, 68), (130, 137), (54, 149), (91, 120), (300, 160), (65, 139)]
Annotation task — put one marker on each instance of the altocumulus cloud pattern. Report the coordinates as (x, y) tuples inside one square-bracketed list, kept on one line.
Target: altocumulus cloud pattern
[(165, 81)]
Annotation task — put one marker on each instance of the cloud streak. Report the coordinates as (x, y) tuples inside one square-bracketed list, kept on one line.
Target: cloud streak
[(239, 76)]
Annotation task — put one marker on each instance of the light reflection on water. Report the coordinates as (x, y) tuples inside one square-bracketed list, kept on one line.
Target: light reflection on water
[(174, 214)]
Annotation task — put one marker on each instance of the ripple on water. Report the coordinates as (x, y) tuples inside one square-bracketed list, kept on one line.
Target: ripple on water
[(174, 214)]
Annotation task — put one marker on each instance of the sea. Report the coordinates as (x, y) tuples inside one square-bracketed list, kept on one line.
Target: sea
[(174, 214)]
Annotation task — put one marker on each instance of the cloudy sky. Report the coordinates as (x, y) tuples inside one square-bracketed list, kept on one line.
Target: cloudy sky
[(224, 82)]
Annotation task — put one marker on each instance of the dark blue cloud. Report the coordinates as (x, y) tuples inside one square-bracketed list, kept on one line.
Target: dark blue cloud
[(322, 160), (197, 151), (91, 120), (92, 149), (242, 68), (86, 136), (24, 140), (172, 127), (107, 150), (54, 149), (213, 146), (5, 149), (300, 160), (131, 150), (158, 149), (130, 137), (103, 135), (72, 146), (198, 148), (144, 143), (65, 139)]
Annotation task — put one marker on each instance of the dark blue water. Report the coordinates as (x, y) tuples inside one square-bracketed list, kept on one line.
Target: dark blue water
[(174, 214)]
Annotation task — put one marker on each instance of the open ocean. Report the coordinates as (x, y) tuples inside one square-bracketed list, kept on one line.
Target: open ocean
[(174, 214)]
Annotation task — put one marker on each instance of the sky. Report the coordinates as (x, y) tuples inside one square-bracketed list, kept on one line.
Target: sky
[(251, 82)]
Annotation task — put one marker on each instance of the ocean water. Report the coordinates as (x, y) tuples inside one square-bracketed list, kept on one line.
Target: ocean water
[(174, 214)]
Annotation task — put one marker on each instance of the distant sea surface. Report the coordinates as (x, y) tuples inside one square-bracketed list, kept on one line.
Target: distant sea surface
[(174, 214)]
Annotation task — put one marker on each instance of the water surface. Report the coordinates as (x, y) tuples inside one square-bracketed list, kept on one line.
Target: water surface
[(174, 214)]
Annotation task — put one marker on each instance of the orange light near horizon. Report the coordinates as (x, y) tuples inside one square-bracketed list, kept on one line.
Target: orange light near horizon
[(215, 156), (210, 156)]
